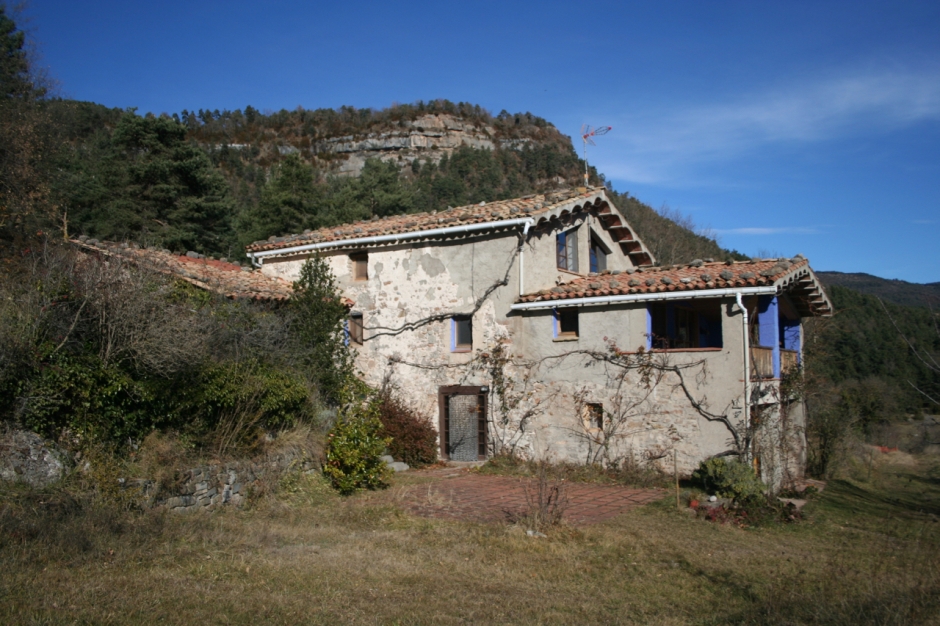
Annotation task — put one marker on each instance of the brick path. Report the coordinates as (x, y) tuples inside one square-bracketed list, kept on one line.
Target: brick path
[(462, 495)]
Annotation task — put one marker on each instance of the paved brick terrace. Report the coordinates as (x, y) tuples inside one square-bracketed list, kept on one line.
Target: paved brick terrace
[(463, 495)]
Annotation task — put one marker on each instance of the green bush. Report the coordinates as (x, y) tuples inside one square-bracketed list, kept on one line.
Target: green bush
[(728, 478), (100, 403), (414, 439), (355, 446)]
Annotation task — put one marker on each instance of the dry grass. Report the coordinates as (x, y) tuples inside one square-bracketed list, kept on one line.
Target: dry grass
[(630, 473), (867, 554)]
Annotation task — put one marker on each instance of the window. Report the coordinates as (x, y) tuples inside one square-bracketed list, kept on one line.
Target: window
[(566, 323), (354, 326), (684, 325), (592, 414), (566, 250), (598, 255), (360, 265), (461, 338)]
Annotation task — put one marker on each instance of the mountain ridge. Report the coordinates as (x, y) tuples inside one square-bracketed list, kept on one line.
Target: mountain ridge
[(890, 289)]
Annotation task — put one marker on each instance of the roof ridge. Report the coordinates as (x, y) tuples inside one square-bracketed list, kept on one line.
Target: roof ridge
[(477, 213)]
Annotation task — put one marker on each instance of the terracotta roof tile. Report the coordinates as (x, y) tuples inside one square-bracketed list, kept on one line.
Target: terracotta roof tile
[(412, 222), (221, 277), (792, 273)]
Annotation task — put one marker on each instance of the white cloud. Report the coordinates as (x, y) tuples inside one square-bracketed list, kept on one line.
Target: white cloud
[(654, 145)]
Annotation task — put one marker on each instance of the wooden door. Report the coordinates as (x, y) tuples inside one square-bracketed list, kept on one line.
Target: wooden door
[(463, 423)]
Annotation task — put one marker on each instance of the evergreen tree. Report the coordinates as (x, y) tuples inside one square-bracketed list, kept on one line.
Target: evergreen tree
[(15, 79), (286, 202), (319, 324), (24, 139), (152, 184)]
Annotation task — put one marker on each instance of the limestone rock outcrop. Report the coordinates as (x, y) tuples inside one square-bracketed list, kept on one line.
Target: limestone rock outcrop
[(27, 457), (427, 138)]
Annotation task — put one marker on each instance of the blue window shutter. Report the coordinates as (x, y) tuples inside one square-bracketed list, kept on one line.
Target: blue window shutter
[(649, 328), (768, 319)]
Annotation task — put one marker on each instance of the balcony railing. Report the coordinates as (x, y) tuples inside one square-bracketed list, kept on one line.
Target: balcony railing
[(762, 362), (789, 360)]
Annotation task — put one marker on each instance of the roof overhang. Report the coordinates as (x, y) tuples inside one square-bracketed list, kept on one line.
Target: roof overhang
[(643, 297), (257, 258)]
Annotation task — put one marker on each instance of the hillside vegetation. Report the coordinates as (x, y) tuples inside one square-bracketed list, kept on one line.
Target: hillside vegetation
[(890, 290), (212, 182)]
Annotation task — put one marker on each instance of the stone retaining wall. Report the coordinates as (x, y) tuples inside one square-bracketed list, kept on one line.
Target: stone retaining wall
[(211, 486)]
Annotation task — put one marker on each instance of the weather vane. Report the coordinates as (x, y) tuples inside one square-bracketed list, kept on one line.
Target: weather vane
[(587, 134)]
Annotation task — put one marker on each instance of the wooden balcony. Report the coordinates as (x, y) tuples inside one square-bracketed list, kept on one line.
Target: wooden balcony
[(789, 360), (762, 363)]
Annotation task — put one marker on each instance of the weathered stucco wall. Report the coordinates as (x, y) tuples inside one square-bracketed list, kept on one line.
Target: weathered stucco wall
[(535, 408), (654, 419), (407, 302), (540, 260)]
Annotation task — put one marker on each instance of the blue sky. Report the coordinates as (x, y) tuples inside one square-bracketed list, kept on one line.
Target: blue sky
[(785, 127)]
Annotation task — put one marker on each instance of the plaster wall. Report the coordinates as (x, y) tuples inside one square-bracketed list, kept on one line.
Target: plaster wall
[(656, 419), (412, 292), (407, 303), (541, 249)]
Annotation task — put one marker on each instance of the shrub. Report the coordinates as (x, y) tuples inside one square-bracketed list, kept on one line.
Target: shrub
[(729, 479), (413, 438), (354, 450)]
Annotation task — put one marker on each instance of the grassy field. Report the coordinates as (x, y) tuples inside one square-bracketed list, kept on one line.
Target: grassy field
[(867, 553)]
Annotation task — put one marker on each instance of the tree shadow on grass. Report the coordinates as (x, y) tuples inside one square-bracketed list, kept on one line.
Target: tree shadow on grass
[(850, 498)]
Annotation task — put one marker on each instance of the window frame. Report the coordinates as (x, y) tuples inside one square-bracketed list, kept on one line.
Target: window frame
[(666, 321), (355, 328), (455, 321), (561, 335), (360, 261), (566, 250), (597, 254)]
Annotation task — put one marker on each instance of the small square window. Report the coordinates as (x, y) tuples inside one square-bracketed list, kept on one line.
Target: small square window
[(566, 323), (461, 334), (355, 328), (592, 414), (360, 266)]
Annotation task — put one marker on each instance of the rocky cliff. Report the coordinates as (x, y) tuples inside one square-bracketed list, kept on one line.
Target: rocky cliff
[(427, 138)]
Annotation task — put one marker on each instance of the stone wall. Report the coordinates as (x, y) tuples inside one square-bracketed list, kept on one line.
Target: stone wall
[(211, 486)]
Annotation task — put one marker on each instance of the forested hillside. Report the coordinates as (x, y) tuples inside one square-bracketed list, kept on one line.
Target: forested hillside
[(869, 343), (212, 182), (896, 291)]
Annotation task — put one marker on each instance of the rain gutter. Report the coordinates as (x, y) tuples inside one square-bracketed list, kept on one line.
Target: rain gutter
[(643, 297), (257, 258)]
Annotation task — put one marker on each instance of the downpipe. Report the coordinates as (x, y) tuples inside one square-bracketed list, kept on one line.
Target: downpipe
[(747, 363), (525, 234)]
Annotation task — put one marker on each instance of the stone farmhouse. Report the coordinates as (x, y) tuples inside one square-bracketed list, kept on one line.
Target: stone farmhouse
[(543, 326)]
